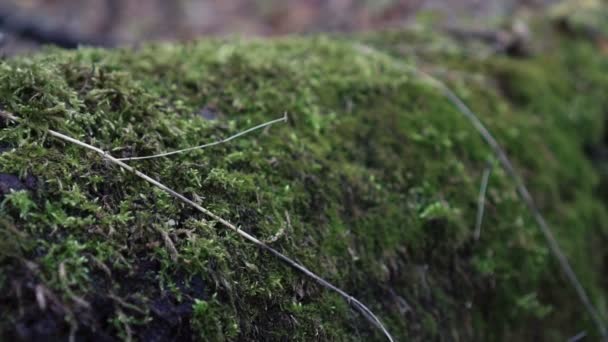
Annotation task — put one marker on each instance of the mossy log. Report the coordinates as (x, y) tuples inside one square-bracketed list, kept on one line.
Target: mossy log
[(373, 183)]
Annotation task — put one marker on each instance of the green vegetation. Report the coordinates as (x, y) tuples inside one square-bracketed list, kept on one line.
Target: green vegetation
[(373, 184)]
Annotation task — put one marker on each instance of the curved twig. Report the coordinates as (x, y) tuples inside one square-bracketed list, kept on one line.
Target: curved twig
[(166, 154)]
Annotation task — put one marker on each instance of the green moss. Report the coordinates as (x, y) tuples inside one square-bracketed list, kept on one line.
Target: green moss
[(372, 183)]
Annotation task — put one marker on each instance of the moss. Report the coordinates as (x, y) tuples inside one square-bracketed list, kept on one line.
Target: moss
[(373, 183)]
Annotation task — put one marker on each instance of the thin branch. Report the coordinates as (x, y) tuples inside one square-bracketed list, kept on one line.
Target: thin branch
[(165, 154), (482, 200), (368, 314)]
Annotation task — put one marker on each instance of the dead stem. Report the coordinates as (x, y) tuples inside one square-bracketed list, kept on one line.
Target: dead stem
[(249, 130), (482, 200)]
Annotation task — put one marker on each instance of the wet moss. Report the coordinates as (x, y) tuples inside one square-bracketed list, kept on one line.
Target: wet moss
[(372, 183)]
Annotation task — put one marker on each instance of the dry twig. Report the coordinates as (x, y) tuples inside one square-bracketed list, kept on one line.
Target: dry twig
[(482, 200), (166, 154)]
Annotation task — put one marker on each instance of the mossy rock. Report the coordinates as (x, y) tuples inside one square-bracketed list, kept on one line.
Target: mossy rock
[(372, 183)]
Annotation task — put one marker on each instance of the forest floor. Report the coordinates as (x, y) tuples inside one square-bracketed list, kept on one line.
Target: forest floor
[(134, 21)]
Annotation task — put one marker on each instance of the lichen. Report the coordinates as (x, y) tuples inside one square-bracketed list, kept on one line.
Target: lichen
[(373, 183)]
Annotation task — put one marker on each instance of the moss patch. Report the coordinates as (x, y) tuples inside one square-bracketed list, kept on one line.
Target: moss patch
[(373, 182)]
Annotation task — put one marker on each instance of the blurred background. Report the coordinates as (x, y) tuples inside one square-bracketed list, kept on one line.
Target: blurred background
[(25, 24)]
